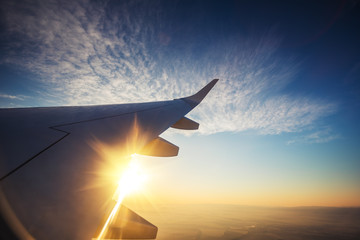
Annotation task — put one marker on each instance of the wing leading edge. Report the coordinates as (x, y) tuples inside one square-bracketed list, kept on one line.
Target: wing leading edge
[(46, 155)]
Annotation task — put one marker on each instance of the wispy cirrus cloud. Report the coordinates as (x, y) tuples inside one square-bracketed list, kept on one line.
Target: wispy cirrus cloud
[(93, 53), (8, 96), (320, 136)]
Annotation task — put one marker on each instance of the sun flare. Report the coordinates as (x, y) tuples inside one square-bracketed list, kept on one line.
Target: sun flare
[(130, 181)]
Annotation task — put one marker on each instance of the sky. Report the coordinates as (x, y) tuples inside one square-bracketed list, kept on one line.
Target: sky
[(280, 128)]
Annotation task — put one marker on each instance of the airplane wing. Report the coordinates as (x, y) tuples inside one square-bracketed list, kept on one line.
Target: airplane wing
[(50, 159)]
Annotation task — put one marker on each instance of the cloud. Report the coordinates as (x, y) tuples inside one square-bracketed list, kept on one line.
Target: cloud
[(321, 136), (17, 97), (96, 53)]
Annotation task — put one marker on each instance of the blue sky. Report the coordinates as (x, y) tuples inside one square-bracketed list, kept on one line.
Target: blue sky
[(287, 103)]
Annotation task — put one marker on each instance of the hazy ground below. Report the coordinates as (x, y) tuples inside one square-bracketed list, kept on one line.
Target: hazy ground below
[(231, 222)]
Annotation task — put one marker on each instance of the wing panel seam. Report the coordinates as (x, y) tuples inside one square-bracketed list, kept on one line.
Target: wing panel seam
[(31, 158)]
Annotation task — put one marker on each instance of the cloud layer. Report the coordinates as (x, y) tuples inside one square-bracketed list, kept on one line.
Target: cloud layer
[(97, 53)]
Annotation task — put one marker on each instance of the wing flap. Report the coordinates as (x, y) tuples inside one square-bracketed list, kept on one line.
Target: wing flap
[(186, 124), (127, 225), (159, 147)]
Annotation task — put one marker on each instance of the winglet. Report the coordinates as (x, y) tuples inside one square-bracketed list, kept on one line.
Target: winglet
[(200, 95)]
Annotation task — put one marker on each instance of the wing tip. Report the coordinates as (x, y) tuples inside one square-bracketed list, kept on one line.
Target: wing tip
[(195, 99)]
